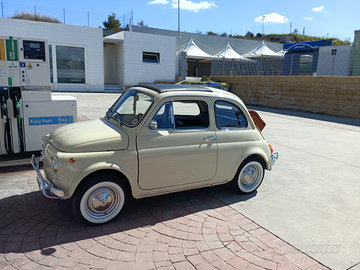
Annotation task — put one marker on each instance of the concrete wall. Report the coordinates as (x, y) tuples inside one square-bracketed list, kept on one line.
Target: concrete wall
[(318, 94), (66, 35), (136, 71)]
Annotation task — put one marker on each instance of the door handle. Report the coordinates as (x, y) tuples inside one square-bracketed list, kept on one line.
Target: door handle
[(210, 139)]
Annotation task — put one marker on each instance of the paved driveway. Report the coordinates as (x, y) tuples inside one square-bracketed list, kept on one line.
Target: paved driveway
[(310, 200), (312, 197)]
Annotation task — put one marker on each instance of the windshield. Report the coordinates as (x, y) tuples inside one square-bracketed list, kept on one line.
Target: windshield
[(130, 108)]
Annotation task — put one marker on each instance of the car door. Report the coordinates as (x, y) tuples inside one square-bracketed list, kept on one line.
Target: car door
[(182, 150)]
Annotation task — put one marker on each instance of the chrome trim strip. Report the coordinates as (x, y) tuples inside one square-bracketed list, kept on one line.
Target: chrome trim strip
[(184, 188), (47, 189)]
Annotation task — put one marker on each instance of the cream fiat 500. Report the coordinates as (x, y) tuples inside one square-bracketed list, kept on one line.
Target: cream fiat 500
[(153, 140)]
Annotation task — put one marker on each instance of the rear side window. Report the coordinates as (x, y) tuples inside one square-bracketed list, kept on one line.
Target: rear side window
[(229, 116)]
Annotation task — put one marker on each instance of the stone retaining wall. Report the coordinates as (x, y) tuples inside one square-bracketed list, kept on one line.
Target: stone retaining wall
[(318, 94)]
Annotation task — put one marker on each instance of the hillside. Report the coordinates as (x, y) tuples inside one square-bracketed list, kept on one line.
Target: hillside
[(287, 38)]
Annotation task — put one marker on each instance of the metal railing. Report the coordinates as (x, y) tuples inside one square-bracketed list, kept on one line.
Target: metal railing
[(335, 62), (65, 16)]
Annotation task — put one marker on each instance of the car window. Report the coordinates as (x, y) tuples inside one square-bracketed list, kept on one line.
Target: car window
[(183, 114), (130, 108), (229, 116), (164, 117)]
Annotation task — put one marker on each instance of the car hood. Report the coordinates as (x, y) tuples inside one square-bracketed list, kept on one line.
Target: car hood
[(89, 136)]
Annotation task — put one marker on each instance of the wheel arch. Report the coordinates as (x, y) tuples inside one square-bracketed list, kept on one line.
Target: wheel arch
[(259, 157), (121, 176)]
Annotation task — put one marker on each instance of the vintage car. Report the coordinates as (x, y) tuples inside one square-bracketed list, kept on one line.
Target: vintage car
[(153, 140)]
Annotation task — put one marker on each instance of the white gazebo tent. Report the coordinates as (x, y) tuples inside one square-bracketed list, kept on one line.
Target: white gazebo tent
[(260, 51), (198, 61), (229, 62), (229, 53), (193, 51), (268, 61)]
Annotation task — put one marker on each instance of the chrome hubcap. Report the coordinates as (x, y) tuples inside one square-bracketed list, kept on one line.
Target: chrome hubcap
[(102, 200), (249, 176)]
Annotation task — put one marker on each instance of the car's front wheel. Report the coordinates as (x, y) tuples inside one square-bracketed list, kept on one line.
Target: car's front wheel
[(249, 176), (99, 199)]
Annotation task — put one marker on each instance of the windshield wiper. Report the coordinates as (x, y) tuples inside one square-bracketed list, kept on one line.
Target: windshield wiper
[(109, 111), (114, 115)]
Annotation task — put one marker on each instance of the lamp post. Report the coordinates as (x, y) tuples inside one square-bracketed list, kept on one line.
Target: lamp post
[(178, 25)]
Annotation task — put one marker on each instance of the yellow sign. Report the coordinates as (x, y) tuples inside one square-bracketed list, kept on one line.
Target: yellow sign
[(29, 65), (2, 50)]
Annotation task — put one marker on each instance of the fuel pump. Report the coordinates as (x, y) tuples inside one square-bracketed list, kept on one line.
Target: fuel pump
[(6, 145), (17, 126), (28, 111)]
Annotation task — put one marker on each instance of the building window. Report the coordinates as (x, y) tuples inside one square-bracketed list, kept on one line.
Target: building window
[(70, 64), (149, 57), (51, 65)]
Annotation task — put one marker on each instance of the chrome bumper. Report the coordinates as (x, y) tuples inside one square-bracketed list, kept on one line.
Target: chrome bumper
[(274, 157), (47, 189)]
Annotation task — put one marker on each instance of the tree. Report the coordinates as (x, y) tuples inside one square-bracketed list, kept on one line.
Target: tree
[(259, 36), (142, 24), (249, 35), (112, 24), (210, 33), (224, 34), (34, 17)]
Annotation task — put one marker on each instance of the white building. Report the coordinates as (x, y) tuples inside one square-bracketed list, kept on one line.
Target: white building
[(76, 52), (81, 59), (132, 58), (335, 60)]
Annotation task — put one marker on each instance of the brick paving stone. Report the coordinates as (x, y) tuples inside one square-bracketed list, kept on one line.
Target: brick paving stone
[(67, 262), (269, 265), (177, 257), (185, 230), (238, 263), (184, 265), (126, 257)]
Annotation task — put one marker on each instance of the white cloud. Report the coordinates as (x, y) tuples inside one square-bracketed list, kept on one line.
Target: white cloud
[(319, 9), (310, 19), (156, 2), (191, 6), (272, 18)]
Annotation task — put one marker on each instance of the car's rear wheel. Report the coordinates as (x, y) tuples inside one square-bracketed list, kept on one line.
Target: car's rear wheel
[(249, 176), (99, 199)]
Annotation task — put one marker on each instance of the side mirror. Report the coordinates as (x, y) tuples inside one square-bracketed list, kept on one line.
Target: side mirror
[(153, 125)]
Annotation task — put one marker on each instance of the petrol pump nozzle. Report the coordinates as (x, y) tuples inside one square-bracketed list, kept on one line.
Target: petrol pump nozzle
[(4, 107), (19, 125), (18, 106)]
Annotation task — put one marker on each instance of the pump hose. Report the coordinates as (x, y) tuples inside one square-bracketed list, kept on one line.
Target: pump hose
[(6, 126), (19, 125)]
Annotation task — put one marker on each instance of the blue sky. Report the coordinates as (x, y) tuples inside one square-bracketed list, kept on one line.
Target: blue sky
[(316, 18)]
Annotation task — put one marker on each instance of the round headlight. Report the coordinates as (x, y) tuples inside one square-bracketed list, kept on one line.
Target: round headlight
[(54, 163)]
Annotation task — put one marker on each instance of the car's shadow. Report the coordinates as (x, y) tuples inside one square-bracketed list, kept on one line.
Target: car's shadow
[(31, 222)]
